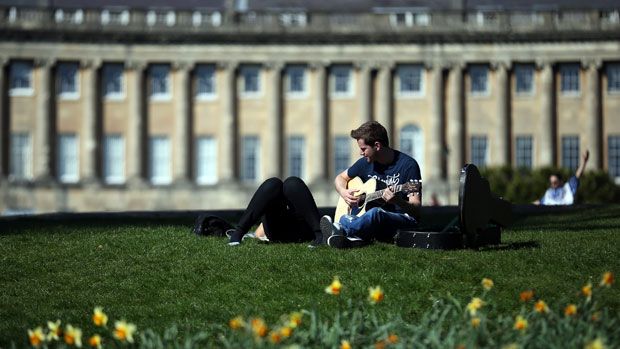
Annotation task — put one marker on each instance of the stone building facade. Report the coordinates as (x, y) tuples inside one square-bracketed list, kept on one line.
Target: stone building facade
[(162, 106)]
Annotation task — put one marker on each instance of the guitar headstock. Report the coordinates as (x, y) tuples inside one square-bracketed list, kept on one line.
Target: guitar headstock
[(413, 186)]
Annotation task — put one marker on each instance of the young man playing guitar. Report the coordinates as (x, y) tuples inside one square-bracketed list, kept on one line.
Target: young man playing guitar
[(393, 170)]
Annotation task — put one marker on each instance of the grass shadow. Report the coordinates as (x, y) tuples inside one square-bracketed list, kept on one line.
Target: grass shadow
[(513, 246)]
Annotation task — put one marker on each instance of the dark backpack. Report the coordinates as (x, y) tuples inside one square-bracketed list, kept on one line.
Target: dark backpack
[(210, 225)]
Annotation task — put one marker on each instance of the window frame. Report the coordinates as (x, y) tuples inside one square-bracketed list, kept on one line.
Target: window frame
[(334, 74), (244, 72), (613, 157), (530, 69), (68, 173), (20, 156), (613, 69), (157, 177), (473, 80), (342, 153), (21, 91), (210, 71), (565, 69), (113, 162), (154, 71), (474, 139), (572, 158), (67, 68), (524, 151), (254, 155), (401, 70), (106, 69), (207, 162), (296, 156), (288, 79)]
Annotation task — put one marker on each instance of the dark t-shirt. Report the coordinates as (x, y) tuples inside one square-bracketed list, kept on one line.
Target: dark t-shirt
[(399, 171)]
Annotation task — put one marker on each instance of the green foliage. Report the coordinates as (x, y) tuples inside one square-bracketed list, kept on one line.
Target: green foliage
[(522, 186)]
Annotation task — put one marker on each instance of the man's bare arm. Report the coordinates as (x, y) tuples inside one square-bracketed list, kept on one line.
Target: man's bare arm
[(584, 161)]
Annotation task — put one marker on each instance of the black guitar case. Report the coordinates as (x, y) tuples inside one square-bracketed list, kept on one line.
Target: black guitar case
[(481, 217)]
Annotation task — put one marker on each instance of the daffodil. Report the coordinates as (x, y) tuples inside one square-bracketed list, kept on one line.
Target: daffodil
[(520, 323), (473, 306), (99, 317), (275, 337), (608, 279), (487, 284), (95, 341), (236, 322), (286, 331), (123, 331), (295, 319), (344, 344), (587, 291), (392, 338), (596, 344), (259, 327), (570, 310), (73, 336), (380, 344), (526, 295), (475, 322), (375, 294), (54, 330), (541, 307), (335, 287), (36, 336)]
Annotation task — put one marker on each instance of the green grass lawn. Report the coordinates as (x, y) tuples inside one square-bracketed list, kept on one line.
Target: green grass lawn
[(160, 275)]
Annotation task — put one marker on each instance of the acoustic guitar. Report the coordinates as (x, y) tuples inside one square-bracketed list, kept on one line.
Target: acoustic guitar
[(370, 196)]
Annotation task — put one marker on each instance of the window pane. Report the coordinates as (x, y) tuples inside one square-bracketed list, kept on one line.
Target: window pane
[(342, 160), (341, 79), (21, 76), (613, 154), (296, 79), (479, 150), (524, 151), (206, 160), (160, 160), (114, 159), (524, 74), (68, 158), (205, 80), (160, 80), (613, 77), (67, 78), (570, 152), (569, 76), (112, 80), (250, 158), (251, 82), (410, 78), (296, 149), (21, 155), (479, 76)]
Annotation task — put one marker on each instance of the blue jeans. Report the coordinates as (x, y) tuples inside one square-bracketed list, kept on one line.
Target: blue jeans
[(376, 223)]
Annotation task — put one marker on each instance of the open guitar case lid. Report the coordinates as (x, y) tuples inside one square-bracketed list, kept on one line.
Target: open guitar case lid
[(481, 218)]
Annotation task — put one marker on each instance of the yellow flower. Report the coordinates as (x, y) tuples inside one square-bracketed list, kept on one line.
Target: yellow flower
[(541, 307), (596, 344), (73, 336), (392, 338), (99, 317), (380, 344), (608, 279), (487, 284), (275, 337), (36, 337), (526, 295), (375, 295), (95, 341), (520, 323), (475, 322), (335, 287), (344, 344), (123, 331), (259, 327), (286, 332), (587, 291), (236, 323), (473, 306), (55, 330), (295, 319), (570, 310)]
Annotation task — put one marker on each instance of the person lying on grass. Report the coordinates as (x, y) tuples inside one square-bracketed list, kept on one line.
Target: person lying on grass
[(287, 211)]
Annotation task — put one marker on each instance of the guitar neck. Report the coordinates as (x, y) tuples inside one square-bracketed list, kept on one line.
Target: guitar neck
[(379, 193)]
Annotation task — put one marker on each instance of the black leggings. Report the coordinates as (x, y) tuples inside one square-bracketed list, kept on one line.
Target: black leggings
[(288, 211)]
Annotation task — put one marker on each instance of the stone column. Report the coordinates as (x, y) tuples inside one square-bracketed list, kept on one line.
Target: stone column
[(275, 140), (593, 107), (136, 132), (546, 132), (320, 125), (181, 123), (384, 96), (437, 125), (502, 134), (89, 127), (5, 133), (228, 134), (365, 70), (44, 127), (456, 134)]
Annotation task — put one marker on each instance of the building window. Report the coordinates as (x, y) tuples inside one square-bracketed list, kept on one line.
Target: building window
[(114, 159), (205, 82), (570, 152), (412, 143), (21, 79), (112, 81), (293, 19), (411, 80), (160, 82), (342, 153), (524, 76), (250, 158), (410, 19), (159, 160), (206, 160), (479, 76), (251, 80), (524, 151), (295, 80), (479, 150), (341, 81), (199, 18), (67, 80), (117, 17), (68, 159), (21, 156), (613, 154), (569, 78), (296, 152), (167, 18), (613, 77)]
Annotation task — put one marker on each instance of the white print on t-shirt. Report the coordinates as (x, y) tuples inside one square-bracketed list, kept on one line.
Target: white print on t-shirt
[(389, 180)]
